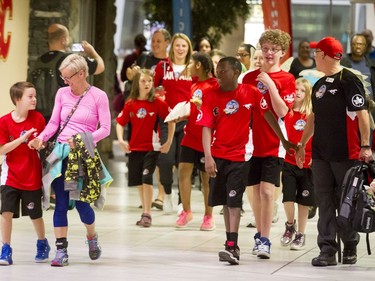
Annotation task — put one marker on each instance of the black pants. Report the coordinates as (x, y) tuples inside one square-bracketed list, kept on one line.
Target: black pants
[(167, 161), (327, 179)]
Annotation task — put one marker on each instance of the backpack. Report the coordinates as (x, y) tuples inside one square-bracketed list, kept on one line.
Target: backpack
[(357, 208), (44, 76)]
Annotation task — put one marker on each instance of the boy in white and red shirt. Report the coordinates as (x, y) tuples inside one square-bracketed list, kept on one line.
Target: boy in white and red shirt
[(278, 89), (21, 175)]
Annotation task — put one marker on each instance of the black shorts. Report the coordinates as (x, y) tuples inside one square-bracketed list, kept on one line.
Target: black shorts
[(141, 167), (189, 155), (265, 169), (228, 186), (31, 202), (297, 185)]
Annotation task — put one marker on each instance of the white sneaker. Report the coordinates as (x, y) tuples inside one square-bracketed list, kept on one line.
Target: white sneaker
[(168, 204)]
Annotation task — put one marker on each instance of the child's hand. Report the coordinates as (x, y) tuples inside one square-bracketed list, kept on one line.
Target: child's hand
[(27, 134), (124, 145)]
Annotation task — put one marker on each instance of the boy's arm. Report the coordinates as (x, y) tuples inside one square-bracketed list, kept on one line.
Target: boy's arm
[(171, 129), (210, 164), (8, 147), (272, 121), (278, 104)]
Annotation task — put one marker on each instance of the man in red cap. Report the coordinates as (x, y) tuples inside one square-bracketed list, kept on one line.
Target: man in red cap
[(340, 125)]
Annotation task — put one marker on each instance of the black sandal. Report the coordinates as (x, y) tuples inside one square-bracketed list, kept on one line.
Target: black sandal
[(158, 204)]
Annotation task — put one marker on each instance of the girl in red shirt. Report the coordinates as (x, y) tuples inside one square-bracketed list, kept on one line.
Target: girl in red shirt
[(297, 183), (142, 110)]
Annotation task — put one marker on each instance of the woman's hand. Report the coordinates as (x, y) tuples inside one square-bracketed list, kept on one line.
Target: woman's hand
[(36, 144), (71, 143)]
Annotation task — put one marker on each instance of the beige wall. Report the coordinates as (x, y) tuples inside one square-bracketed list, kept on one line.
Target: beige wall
[(14, 67)]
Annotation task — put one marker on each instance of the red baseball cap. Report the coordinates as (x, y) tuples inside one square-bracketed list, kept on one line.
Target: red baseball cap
[(330, 46)]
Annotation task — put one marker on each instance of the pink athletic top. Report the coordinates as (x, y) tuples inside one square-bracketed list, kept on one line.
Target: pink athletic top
[(91, 111)]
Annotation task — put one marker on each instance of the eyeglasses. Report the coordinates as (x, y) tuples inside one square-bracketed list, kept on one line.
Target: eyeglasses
[(242, 55), (317, 51), (358, 44), (273, 50), (68, 78)]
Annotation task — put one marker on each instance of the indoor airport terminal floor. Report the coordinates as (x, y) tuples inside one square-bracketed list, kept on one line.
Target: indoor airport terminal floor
[(163, 252)]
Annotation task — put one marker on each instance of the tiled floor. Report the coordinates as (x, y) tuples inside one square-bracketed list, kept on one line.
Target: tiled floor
[(165, 253)]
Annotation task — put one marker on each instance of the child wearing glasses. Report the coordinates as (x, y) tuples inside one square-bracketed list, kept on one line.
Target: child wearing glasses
[(278, 89)]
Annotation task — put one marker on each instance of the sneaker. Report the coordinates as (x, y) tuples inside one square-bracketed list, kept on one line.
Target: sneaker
[(299, 242), (145, 220), (180, 208), (324, 260), (312, 212), (61, 258), (264, 248), (183, 219), (230, 254), (256, 243), (168, 204), (349, 256), (94, 248), (42, 250), (275, 217), (252, 222), (6, 255), (208, 223), (287, 237)]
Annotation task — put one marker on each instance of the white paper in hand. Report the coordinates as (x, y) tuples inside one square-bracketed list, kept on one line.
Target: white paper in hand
[(181, 109)]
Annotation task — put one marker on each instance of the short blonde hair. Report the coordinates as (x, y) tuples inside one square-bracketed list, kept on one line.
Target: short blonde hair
[(76, 63)]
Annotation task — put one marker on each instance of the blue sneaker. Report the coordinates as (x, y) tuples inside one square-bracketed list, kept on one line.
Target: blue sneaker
[(61, 258), (264, 248), (6, 255), (256, 243), (42, 250), (95, 250)]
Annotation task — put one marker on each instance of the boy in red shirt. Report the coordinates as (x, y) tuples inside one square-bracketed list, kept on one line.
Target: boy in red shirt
[(228, 114), (21, 175)]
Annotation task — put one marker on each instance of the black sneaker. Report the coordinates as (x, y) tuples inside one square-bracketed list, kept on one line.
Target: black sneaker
[(230, 254), (324, 260), (349, 256)]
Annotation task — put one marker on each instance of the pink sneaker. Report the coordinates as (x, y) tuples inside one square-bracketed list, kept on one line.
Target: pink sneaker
[(184, 218), (208, 223)]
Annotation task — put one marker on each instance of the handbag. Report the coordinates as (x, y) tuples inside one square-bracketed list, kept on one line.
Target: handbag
[(50, 144)]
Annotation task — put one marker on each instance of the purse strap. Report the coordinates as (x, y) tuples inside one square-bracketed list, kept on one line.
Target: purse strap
[(73, 110)]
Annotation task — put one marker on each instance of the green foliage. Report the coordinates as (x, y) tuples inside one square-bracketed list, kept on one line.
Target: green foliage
[(210, 18)]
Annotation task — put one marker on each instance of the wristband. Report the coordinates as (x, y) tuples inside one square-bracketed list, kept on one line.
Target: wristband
[(300, 144), (365, 146)]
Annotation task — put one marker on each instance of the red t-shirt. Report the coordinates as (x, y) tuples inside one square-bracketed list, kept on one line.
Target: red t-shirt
[(228, 114), (144, 117), (177, 89), (266, 142), (295, 125), (193, 132), (21, 168)]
